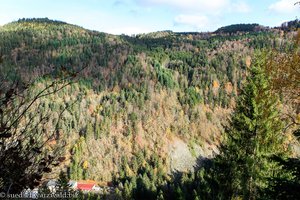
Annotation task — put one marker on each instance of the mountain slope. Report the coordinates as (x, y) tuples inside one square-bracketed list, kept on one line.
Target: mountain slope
[(138, 96)]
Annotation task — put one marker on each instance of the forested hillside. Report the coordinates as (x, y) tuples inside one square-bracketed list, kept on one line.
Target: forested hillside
[(142, 107)]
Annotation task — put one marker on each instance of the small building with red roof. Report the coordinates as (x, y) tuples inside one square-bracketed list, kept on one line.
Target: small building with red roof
[(85, 186)]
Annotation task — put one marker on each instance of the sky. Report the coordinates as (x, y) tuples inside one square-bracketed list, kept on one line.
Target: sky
[(143, 16)]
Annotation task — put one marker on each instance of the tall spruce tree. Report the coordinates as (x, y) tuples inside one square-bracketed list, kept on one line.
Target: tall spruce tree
[(253, 136)]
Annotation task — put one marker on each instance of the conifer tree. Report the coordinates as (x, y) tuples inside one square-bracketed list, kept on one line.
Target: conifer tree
[(160, 195), (253, 136)]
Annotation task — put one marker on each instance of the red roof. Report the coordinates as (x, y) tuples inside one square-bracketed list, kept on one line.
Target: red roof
[(85, 186)]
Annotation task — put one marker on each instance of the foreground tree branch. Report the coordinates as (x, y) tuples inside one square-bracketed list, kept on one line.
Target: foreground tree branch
[(28, 149)]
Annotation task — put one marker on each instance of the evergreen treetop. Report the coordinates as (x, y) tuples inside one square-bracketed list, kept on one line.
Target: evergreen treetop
[(254, 135)]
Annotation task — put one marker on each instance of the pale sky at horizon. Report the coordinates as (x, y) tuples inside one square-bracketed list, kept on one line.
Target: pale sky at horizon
[(142, 16)]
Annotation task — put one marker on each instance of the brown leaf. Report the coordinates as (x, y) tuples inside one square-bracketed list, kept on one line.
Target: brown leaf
[(61, 159)]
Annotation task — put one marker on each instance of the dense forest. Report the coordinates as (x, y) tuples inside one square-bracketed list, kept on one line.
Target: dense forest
[(162, 115)]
